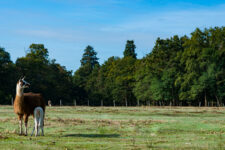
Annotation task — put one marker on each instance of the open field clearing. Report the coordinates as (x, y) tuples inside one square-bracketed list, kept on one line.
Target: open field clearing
[(119, 128)]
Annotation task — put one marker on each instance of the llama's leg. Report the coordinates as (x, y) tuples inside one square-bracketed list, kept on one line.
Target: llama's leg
[(42, 131), (26, 122), (20, 117), (36, 129), (32, 132), (42, 127)]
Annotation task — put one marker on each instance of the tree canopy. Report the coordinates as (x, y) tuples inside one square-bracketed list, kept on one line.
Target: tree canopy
[(177, 71), (130, 49)]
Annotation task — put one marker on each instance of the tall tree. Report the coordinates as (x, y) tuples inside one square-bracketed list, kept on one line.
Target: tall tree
[(122, 80), (156, 74), (89, 57), (88, 62), (45, 75), (7, 77), (38, 51), (130, 49), (83, 77), (143, 78), (105, 82)]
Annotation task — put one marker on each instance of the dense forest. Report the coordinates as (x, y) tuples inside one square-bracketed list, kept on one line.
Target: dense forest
[(177, 71)]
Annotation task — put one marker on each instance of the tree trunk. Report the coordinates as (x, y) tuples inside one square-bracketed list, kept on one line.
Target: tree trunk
[(173, 98), (114, 103), (60, 102), (126, 101), (12, 101), (101, 102), (75, 103), (205, 100), (218, 101), (137, 102)]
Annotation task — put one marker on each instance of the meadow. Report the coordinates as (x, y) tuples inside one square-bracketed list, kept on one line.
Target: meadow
[(167, 128)]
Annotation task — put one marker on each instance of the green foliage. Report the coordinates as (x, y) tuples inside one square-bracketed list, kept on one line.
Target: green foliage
[(202, 64), (46, 77), (105, 83), (187, 70), (142, 77), (130, 49), (89, 58), (86, 76), (4, 57), (122, 74), (7, 77), (157, 89), (38, 51)]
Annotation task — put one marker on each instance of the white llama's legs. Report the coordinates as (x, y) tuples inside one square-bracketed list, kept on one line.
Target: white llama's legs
[(36, 129), (42, 131), (32, 132), (38, 121), (21, 126)]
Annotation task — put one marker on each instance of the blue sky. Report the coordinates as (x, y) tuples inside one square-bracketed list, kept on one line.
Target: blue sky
[(66, 27)]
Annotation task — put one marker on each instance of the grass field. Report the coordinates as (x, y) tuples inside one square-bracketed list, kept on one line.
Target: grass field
[(119, 128)]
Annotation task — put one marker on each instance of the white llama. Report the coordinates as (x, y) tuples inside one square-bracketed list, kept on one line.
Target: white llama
[(38, 121)]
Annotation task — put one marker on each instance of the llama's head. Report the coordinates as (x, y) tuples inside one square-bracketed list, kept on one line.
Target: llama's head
[(22, 83), (20, 86)]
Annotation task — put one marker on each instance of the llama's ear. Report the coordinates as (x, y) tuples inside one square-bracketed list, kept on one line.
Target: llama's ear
[(23, 78)]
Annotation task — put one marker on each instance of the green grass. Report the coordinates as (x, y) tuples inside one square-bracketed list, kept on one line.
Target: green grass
[(119, 128)]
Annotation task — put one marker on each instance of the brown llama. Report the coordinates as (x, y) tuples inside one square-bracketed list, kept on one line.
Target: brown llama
[(25, 103)]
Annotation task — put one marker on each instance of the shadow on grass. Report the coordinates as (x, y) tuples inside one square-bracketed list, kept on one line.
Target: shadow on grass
[(93, 135)]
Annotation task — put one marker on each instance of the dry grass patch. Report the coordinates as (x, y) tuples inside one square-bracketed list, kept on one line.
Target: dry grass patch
[(3, 137), (105, 122)]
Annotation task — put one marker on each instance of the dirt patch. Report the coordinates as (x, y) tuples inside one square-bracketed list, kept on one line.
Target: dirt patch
[(198, 112), (178, 112), (217, 112), (5, 120), (3, 137), (105, 122), (214, 122), (68, 121)]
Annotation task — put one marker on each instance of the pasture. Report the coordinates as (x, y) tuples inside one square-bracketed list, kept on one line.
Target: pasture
[(119, 128)]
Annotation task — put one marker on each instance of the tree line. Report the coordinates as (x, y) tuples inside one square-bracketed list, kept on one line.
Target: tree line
[(178, 71)]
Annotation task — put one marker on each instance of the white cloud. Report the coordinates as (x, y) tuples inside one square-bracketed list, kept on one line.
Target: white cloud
[(109, 38), (54, 34), (173, 21)]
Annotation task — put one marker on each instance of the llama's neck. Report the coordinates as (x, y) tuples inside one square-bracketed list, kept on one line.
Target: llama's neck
[(19, 91)]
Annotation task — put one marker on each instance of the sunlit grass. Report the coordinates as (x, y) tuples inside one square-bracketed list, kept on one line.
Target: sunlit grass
[(119, 128)]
